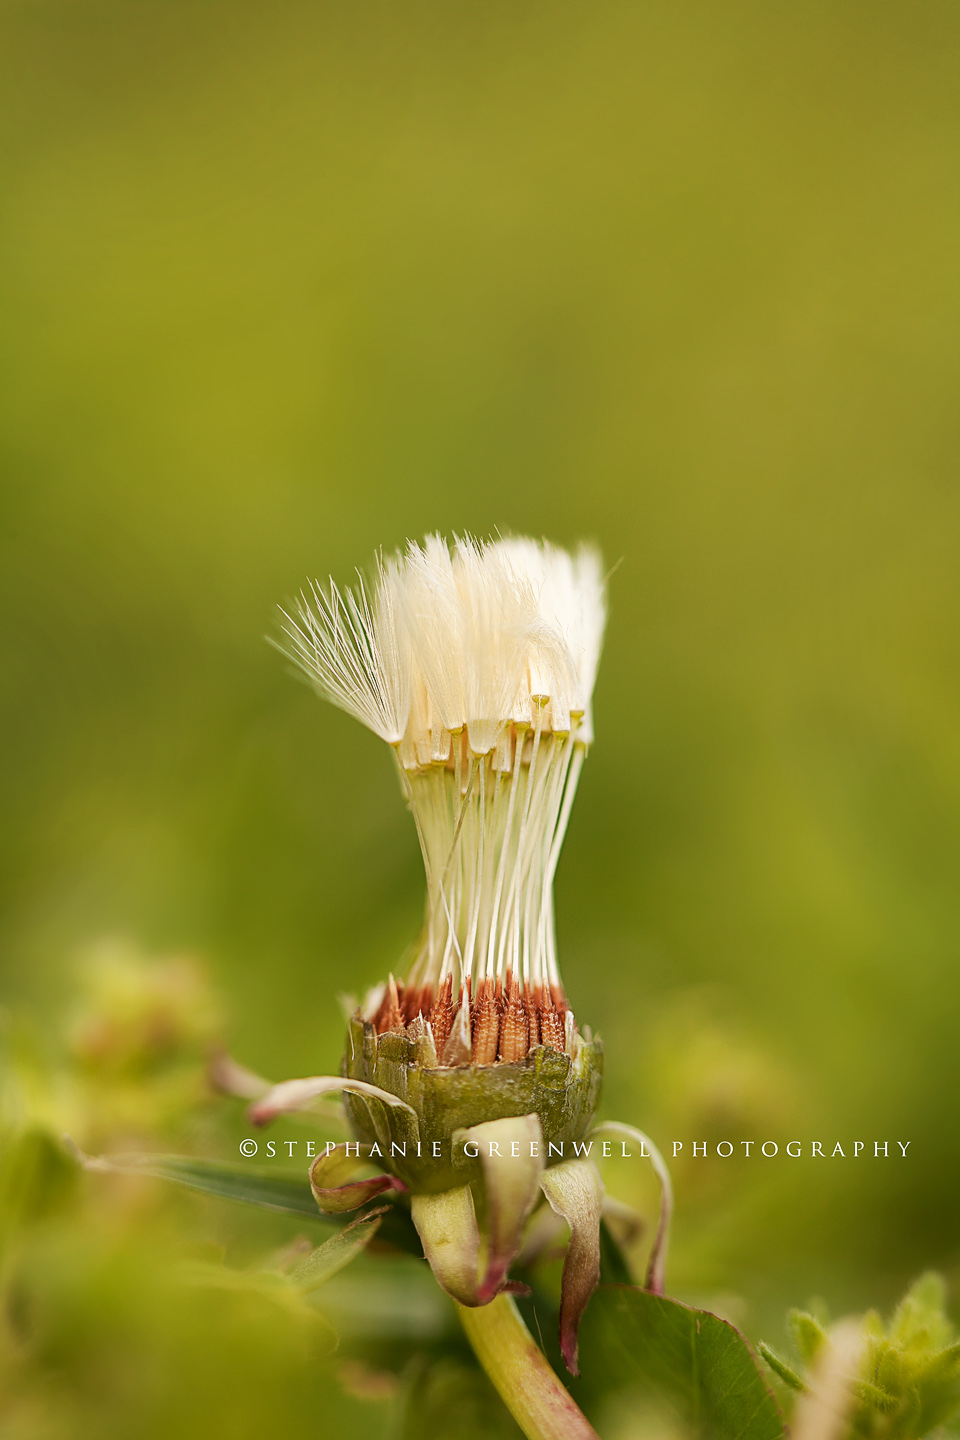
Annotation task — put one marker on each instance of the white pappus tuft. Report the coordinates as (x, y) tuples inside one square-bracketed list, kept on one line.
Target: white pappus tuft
[(476, 662)]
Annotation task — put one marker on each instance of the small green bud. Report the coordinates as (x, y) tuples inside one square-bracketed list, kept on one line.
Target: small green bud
[(889, 1368), (874, 1397), (808, 1335), (919, 1320)]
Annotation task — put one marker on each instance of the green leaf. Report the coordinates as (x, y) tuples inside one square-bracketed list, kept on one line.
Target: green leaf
[(689, 1365), (330, 1257), (289, 1193), (271, 1191), (614, 1269)]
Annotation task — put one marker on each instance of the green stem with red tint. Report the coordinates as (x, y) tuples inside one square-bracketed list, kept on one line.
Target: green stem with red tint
[(535, 1396)]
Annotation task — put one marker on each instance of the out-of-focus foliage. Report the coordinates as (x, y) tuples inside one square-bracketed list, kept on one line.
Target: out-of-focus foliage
[(124, 1314), (285, 283), (96, 1279), (905, 1381)]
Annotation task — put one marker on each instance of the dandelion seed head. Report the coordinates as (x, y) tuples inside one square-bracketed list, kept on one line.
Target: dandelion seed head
[(476, 661)]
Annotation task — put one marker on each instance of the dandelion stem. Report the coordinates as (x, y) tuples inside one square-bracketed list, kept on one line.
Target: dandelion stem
[(536, 1398)]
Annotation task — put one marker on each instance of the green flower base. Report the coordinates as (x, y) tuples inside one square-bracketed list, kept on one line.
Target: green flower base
[(562, 1090)]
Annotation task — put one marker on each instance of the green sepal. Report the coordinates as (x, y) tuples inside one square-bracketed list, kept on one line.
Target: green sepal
[(510, 1190), (335, 1184), (447, 1226), (780, 1367), (575, 1191)]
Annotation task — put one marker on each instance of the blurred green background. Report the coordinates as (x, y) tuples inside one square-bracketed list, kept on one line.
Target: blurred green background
[(284, 283)]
